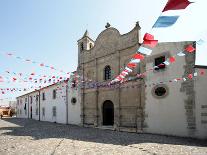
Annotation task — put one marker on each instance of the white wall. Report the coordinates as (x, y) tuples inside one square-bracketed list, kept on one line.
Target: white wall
[(49, 103), (201, 105), (74, 110), (34, 104), (21, 111), (166, 115)]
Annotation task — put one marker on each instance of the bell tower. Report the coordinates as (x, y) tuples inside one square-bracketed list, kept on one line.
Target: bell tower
[(84, 44)]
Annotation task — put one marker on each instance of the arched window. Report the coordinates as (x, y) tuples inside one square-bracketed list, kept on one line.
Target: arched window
[(90, 45), (107, 73), (81, 47)]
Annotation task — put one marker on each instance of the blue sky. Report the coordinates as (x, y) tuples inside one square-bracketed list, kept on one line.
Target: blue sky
[(47, 30)]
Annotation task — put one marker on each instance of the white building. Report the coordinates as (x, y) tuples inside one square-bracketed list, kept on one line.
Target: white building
[(22, 106), (74, 101), (59, 103), (177, 107)]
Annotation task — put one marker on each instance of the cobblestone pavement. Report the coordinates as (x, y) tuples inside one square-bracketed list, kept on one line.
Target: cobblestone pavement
[(26, 136)]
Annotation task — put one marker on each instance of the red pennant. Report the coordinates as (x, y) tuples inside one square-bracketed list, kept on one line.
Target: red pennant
[(190, 76), (202, 72), (172, 59), (42, 64), (32, 74), (30, 78), (53, 77), (138, 56), (14, 79), (131, 65), (150, 43), (190, 49), (176, 5), (148, 36)]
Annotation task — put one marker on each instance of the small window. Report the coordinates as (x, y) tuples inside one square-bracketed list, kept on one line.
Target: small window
[(43, 96), (159, 63), (107, 73), (43, 111), (73, 101), (25, 100), (36, 111), (74, 84), (54, 94), (31, 99), (160, 91), (90, 45), (54, 111), (82, 47), (37, 98)]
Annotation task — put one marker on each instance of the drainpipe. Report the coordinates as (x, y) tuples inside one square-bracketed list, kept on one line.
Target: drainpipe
[(39, 105), (66, 103), (28, 105)]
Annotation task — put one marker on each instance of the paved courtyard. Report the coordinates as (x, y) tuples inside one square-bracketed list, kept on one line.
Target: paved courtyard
[(25, 136)]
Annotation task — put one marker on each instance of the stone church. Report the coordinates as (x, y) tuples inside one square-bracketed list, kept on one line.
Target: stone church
[(142, 104)]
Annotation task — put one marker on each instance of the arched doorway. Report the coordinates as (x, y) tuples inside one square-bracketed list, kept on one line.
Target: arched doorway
[(108, 113)]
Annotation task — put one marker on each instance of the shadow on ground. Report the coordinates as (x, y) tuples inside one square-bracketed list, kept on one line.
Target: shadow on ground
[(43, 130)]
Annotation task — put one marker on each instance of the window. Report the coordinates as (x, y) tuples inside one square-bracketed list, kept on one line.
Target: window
[(74, 83), (37, 98), (31, 99), (159, 62), (43, 111), (82, 47), (54, 111), (54, 94), (25, 100), (36, 111), (160, 91), (43, 96), (73, 101), (90, 45), (107, 73)]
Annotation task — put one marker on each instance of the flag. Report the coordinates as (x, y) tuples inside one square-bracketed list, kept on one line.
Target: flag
[(149, 40), (176, 5), (150, 43), (190, 49), (131, 65), (168, 19), (134, 61), (166, 63), (172, 59), (144, 50), (138, 56), (128, 69), (165, 21), (181, 54), (200, 42)]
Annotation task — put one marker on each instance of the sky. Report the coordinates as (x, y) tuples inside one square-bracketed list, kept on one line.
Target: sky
[(47, 31)]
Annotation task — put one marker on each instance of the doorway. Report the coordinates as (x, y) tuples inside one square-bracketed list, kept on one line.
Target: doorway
[(108, 113)]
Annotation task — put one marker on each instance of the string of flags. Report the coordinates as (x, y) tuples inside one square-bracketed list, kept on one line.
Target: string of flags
[(149, 42), (90, 85), (35, 62)]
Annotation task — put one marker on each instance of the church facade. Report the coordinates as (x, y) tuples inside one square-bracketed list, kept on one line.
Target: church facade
[(142, 104)]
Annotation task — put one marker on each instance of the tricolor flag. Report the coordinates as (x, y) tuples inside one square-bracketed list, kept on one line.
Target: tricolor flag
[(170, 13)]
